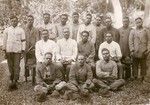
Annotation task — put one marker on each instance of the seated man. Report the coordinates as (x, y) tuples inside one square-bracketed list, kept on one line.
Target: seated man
[(115, 52), (87, 49), (106, 71), (67, 52), (80, 79), (49, 78)]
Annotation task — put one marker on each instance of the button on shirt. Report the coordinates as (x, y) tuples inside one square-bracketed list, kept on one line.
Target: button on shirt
[(92, 32), (67, 49), (113, 47), (14, 39), (43, 47)]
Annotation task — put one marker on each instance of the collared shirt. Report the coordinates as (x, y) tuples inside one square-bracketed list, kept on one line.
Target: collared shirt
[(48, 74), (87, 49), (113, 47), (43, 47), (67, 49), (59, 30), (124, 40), (79, 75), (92, 32), (138, 41), (74, 30), (51, 28), (103, 67), (14, 39)]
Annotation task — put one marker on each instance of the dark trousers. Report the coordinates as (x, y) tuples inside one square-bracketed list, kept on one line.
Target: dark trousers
[(135, 66), (13, 60)]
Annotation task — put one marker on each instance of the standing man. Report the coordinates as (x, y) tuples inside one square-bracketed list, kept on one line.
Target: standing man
[(74, 25), (107, 74), (67, 52), (45, 45), (87, 49), (14, 46), (115, 52), (80, 79), (99, 39), (87, 26), (32, 36), (124, 45), (47, 24), (138, 44), (110, 29), (61, 25)]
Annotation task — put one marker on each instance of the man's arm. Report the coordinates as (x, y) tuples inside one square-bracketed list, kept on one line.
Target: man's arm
[(92, 54), (75, 50), (72, 74), (100, 52), (115, 70), (118, 51), (38, 54), (93, 40), (5, 39), (131, 41), (23, 40)]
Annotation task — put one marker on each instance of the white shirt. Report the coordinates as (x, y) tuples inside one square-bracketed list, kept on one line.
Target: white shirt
[(67, 49), (43, 47), (14, 39), (113, 47), (90, 28)]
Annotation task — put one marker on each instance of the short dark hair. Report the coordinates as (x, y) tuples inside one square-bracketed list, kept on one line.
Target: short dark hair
[(31, 16), (46, 14), (48, 53), (88, 14), (105, 49), (80, 55), (44, 30), (64, 14), (126, 17), (139, 18), (108, 33), (85, 32), (75, 13)]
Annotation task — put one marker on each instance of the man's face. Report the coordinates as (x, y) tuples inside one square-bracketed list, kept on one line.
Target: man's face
[(125, 22), (84, 37), (81, 60), (66, 33), (64, 19), (108, 37), (45, 35), (88, 19), (46, 18), (106, 55), (108, 22), (14, 22), (48, 59), (98, 20), (30, 20), (139, 22), (75, 18)]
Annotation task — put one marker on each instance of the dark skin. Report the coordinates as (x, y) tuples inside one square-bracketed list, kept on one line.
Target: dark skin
[(106, 55), (81, 60), (125, 22), (88, 20), (75, 19), (46, 18), (44, 35), (98, 21), (108, 23), (30, 22), (64, 19)]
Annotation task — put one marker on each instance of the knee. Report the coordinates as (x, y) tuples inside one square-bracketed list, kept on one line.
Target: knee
[(94, 80)]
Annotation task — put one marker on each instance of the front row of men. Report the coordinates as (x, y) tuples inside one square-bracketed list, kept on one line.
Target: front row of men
[(81, 82)]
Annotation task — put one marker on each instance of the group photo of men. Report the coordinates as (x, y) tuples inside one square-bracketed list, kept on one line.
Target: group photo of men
[(75, 59)]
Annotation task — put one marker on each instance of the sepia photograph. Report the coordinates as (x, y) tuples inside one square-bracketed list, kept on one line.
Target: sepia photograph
[(74, 52)]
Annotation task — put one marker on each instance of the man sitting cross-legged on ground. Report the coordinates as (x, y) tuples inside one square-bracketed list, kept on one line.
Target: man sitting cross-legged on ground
[(106, 71), (80, 79), (48, 78)]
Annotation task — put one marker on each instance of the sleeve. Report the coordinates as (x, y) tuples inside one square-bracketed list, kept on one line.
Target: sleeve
[(79, 34), (23, 40), (59, 76), (115, 70), (118, 51), (92, 55), (117, 36), (38, 55), (37, 35), (58, 55), (100, 52), (75, 50), (131, 41), (5, 39), (93, 40), (72, 74), (99, 72)]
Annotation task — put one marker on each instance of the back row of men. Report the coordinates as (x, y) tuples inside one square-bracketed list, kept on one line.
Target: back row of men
[(65, 42)]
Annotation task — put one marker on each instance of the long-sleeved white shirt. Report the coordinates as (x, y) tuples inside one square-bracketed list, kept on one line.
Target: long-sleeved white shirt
[(113, 47), (43, 47), (92, 32), (14, 39), (67, 49)]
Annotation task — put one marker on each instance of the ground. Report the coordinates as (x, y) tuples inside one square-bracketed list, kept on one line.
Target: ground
[(133, 93)]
